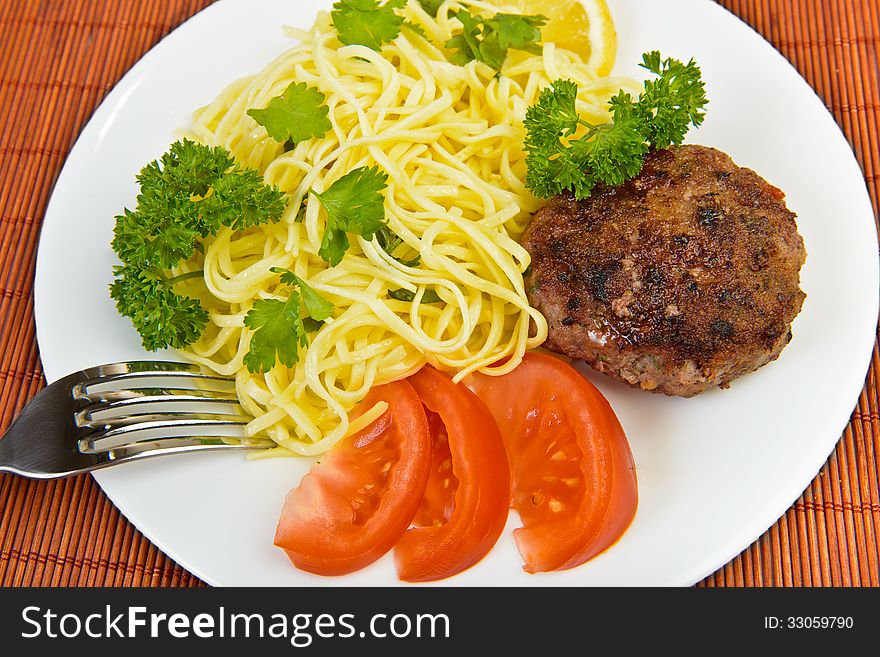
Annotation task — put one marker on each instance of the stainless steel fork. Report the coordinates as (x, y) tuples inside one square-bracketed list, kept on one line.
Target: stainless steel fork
[(124, 412)]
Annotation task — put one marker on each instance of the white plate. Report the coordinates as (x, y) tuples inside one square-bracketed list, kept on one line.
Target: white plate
[(714, 471)]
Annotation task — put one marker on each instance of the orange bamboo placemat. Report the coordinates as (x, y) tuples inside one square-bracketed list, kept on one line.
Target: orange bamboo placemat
[(59, 58)]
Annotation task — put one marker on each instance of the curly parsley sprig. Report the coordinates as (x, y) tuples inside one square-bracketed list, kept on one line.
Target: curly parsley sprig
[(565, 152), (162, 317), (186, 195)]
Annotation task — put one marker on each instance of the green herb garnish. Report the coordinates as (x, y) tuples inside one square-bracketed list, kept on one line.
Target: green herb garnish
[(280, 328), (488, 39), (354, 204), (186, 195), (401, 294), (367, 22), (389, 241), (567, 153), (431, 6), (296, 115)]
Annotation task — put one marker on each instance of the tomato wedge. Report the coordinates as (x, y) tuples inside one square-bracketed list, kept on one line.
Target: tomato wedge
[(353, 506), (467, 498), (573, 478)]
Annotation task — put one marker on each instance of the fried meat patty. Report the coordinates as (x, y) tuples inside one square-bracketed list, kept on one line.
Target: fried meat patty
[(684, 278)]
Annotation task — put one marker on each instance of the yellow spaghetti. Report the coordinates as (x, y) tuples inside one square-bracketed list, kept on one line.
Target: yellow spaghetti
[(450, 139)]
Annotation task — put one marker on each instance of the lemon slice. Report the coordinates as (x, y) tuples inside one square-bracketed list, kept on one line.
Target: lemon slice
[(582, 26)]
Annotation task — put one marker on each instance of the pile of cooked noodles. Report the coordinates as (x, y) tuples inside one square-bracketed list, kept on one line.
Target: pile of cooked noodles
[(450, 139)]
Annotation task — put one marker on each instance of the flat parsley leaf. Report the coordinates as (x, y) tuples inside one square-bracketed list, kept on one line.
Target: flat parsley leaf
[(559, 159), (515, 31), (301, 213), (317, 306), (366, 22), (488, 39), (279, 327), (354, 204), (278, 332), (296, 115)]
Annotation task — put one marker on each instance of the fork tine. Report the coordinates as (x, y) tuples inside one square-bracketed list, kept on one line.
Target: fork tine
[(108, 396), (103, 413), (125, 435), (140, 366), (159, 376), (165, 446)]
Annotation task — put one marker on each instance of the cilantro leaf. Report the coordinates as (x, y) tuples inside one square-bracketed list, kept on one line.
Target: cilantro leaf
[(162, 318), (366, 22), (354, 204), (565, 152), (278, 332), (296, 115), (488, 39), (402, 294)]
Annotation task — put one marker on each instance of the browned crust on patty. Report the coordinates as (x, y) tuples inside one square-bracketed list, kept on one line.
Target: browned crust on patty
[(683, 278)]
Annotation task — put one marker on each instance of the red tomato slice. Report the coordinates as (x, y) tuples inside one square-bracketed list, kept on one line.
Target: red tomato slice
[(467, 498), (353, 506), (573, 478)]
